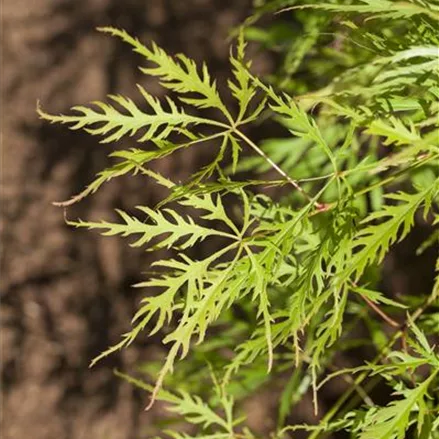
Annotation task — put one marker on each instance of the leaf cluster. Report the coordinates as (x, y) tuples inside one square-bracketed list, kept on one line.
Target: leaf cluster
[(296, 274)]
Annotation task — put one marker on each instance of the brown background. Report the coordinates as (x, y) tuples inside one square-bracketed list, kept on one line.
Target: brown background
[(66, 293)]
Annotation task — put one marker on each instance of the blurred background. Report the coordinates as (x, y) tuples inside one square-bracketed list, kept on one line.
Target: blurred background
[(66, 294)]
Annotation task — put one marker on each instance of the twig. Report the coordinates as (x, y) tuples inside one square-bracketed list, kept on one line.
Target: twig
[(343, 398), (294, 183), (379, 311)]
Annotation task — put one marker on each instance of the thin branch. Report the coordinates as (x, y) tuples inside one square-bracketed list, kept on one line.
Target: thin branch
[(294, 183), (379, 311), (343, 398)]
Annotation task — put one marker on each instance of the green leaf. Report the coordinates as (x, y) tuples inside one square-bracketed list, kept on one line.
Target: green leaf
[(380, 9), (179, 74), (183, 232), (392, 421), (372, 242), (114, 124)]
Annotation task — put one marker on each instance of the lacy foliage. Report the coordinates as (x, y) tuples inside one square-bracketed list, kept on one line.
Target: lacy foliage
[(360, 158)]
